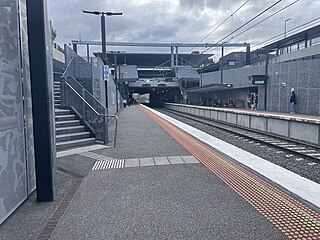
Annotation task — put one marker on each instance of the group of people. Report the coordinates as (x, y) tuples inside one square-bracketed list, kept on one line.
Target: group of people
[(217, 102), (252, 101), (126, 102)]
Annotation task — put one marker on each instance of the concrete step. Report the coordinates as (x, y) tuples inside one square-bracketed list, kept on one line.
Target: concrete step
[(56, 105), (56, 97), (59, 112), (68, 117), (72, 136), (57, 101), (67, 123), (75, 143), (66, 130)]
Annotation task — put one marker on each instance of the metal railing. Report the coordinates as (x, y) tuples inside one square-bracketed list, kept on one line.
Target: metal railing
[(81, 107)]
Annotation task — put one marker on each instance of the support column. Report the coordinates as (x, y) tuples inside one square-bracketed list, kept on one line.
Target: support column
[(248, 60), (75, 47), (42, 99), (266, 84), (88, 52), (116, 79), (172, 55), (177, 56), (222, 54)]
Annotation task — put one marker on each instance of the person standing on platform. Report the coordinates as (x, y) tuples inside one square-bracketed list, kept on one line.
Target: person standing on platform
[(248, 102), (124, 101), (129, 101), (293, 102), (252, 101), (255, 101)]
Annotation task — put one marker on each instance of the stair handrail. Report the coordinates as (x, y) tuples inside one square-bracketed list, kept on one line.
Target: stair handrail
[(99, 114), (87, 92)]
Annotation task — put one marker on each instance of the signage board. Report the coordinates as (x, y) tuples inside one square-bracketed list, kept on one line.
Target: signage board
[(106, 73), (259, 79)]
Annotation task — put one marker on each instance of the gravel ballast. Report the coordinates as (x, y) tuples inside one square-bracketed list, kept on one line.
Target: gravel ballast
[(303, 166)]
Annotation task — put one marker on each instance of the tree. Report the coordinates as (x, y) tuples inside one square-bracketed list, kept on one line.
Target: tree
[(53, 34)]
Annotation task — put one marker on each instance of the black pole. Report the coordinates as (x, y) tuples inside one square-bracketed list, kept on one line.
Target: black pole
[(42, 99), (103, 35), (116, 78), (248, 57), (222, 53), (75, 47), (88, 53), (265, 85)]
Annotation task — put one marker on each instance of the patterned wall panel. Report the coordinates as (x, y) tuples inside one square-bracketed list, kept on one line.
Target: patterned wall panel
[(13, 182), (29, 138), (97, 80)]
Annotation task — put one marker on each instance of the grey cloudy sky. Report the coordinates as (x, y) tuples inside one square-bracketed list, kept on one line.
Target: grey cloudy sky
[(169, 21)]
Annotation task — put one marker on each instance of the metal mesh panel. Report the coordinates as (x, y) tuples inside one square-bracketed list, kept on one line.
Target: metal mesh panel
[(73, 94)]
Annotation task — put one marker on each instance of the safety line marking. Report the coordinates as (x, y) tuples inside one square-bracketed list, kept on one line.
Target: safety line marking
[(108, 164), (80, 150), (291, 217)]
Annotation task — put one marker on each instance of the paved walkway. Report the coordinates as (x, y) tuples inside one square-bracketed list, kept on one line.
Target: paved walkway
[(148, 187)]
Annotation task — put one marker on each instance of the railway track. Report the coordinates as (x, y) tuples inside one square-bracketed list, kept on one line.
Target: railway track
[(301, 149)]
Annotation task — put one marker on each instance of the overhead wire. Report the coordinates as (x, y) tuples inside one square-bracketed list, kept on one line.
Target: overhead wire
[(290, 30), (243, 25), (246, 23), (218, 26), (275, 13)]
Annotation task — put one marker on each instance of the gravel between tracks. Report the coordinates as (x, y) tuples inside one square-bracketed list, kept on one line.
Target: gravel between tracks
[(302, 166)]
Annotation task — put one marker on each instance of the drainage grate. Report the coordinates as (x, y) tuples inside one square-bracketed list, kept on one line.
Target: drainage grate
[(116, 163), (59, 211), (291, 217)]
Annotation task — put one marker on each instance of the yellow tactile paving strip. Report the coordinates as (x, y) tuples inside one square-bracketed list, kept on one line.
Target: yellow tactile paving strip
[(291, 217)]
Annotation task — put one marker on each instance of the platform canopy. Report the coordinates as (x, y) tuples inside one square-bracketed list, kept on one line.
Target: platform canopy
[(151, 60)]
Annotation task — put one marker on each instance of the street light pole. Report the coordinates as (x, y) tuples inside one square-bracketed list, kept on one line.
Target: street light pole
[(285, 27), (103, 30), (103, 36)]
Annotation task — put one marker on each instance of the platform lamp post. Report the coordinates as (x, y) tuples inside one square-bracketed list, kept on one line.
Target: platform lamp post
[(103, 30), (285, 27)]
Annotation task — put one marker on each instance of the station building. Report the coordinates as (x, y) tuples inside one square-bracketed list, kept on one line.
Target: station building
[(27, 153), (291, 63)]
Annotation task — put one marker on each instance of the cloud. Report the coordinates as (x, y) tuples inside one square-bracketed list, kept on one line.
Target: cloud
[(174, 20)]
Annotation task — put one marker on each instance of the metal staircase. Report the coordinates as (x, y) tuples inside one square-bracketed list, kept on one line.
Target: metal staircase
[(69, 131)]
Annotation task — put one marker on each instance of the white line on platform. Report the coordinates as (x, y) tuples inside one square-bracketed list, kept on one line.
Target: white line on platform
[(80, 150), (298, 185)]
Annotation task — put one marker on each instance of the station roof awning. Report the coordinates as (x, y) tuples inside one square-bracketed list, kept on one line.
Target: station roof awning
[(210, 88), (151, 60)]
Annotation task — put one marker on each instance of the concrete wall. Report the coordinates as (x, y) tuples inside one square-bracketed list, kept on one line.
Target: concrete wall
[(301, 75), (287, 126)]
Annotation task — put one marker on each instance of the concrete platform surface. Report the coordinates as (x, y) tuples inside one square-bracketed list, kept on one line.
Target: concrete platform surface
[(160, 202), (160, 192)]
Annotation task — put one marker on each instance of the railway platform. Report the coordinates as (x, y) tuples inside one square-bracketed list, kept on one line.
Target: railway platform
[(294, 126), (168, 180)]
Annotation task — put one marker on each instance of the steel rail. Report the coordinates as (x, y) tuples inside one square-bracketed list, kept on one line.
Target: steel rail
[(210, 122)]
